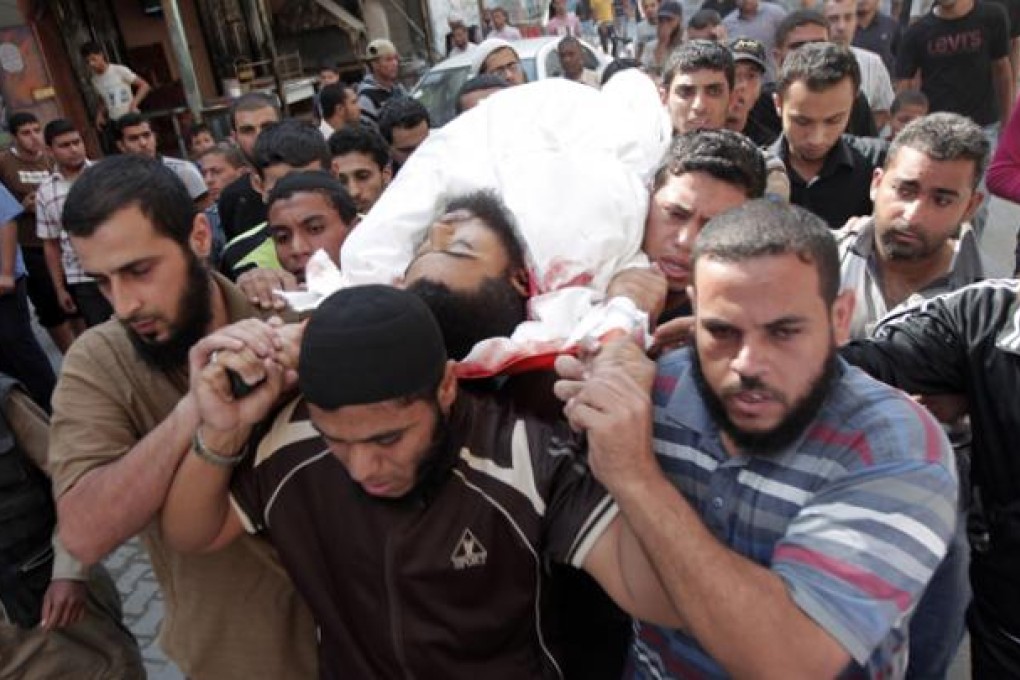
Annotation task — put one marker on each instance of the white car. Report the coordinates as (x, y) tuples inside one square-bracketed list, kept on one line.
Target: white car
[(438, 88)]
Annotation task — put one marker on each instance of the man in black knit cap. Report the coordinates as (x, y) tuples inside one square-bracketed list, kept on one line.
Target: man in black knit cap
[(414, 519)]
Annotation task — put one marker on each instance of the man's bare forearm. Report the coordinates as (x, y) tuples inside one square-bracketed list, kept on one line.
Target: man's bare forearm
[(740, 612), (51, 252), (8, 248), (115, 501), (197, 507)]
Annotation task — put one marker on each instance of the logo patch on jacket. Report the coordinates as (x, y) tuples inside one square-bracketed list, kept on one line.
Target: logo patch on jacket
[(469, 552)]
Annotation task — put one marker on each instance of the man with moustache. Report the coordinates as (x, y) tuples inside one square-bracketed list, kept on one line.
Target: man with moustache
[(702, 175), (793, 507), (122, 422), (918, 245)]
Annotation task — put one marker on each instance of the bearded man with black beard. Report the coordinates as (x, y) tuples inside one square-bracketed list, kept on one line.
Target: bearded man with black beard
[(793, 507), (122, 421)]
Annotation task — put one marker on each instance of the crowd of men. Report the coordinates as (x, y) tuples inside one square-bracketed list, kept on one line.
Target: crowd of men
[(803, 470)]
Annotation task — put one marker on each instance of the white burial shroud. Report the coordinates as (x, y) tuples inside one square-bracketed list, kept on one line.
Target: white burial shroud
[(574, 166)]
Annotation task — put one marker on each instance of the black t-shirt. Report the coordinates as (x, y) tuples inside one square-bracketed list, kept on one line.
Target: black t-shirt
[(241, 207), (456, 566), (764, 125), (954, 57), (842, 188)]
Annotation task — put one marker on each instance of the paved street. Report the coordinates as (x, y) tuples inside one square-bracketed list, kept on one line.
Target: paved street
[(143, 606), (143, 603)]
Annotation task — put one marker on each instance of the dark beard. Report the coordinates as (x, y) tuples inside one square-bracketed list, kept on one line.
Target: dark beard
[(493, 311), (788, 430), (433, 468), (895, 251), (195, 310)]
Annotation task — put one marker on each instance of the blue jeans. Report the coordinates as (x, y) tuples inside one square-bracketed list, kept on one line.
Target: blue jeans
[(938, 624)]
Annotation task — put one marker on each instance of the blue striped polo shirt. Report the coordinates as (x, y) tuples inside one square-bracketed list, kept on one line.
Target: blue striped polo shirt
[(854, 516)]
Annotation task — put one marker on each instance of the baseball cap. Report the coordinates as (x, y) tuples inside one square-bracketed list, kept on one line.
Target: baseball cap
[(670, 8), (748, 49), (380, 47)]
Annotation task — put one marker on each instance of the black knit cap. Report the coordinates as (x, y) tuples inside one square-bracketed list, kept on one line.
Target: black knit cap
[(369, 344)]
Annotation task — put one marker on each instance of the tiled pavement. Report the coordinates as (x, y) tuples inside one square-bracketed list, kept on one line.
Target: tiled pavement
[(143, 605)]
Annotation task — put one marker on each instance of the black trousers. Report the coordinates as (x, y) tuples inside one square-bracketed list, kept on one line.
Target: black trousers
[(994, 652), (40, 288), (21, 356)]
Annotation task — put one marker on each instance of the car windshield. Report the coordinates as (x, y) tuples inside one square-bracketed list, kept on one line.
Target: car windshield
[(439, 87)]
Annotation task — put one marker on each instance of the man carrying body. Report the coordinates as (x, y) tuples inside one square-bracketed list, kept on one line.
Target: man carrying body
[(120, 91), (122, 422), (764, 483), (76, 291), (449, 503), (911, 248), (240, 206), (703, 175), (22, 169), (380, 83), (134, 135), (830, 174), (875, 81)]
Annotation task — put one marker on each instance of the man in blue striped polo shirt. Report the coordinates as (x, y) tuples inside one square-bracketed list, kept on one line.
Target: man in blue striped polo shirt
[(793, 507)]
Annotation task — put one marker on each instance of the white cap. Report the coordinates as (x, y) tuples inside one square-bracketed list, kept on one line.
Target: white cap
[(487, 47)]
